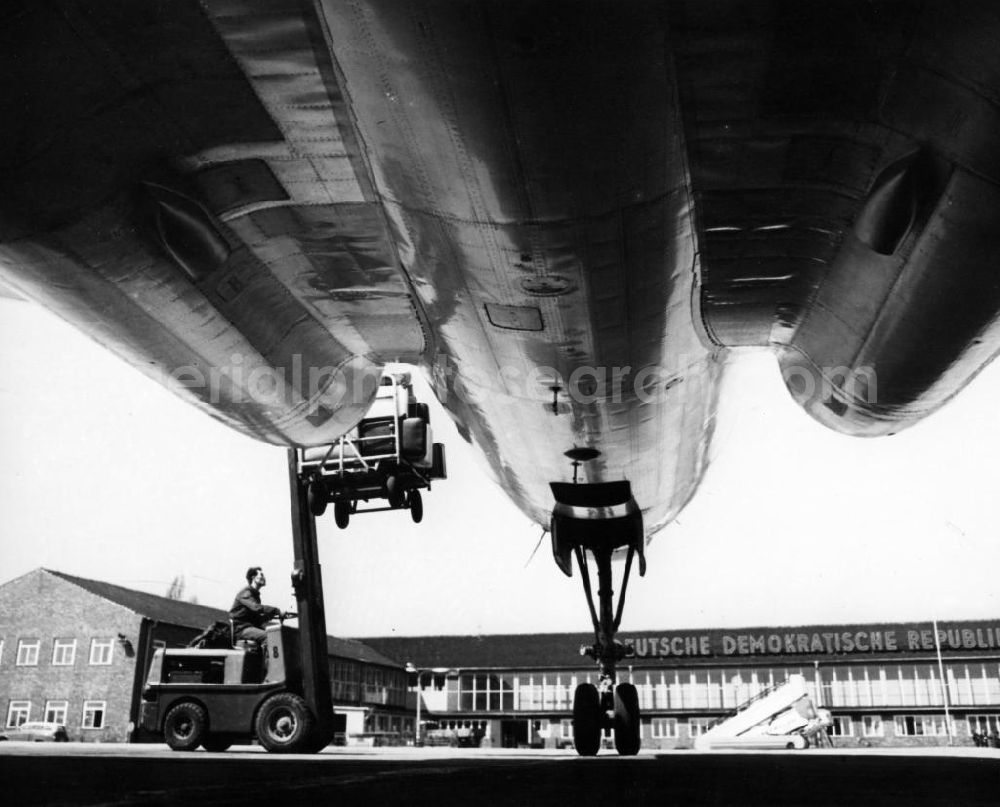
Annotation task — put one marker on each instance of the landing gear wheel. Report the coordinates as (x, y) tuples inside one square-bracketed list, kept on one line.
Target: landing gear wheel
[(284, 724), (627, 722), (393, 491), (185, 725), (416, 502), (317, 496), (215, 744), (586, 720), (342, 514)]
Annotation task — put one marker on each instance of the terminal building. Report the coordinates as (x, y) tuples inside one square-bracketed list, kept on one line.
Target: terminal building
[(885, 684), (76, 651)]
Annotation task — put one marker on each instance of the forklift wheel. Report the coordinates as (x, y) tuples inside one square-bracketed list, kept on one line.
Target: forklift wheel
[(184, 726), (416, 506), (216, 743), (285, 724)]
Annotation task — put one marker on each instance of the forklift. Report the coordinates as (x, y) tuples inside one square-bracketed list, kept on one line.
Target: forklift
[(214, 698)]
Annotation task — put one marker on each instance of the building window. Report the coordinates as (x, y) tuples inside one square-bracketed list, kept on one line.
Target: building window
[(93, 714), (63, 653), (842, 727), (565, 729), (871, 726), (55, 711), (664, 728), (346, 681), (921, 726), (385, 687), (101, 650), (698, 725), (17, 713), (482, 693), (27, 652), (984, 724)]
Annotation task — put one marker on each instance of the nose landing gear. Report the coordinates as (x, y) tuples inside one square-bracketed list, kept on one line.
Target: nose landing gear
[(601, 519)]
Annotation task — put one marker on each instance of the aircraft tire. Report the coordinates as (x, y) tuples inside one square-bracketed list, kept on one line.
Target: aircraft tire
[(342, 514), (284, 724), (627, 720), (416, 506), (317, 495), (185, 726), (586, 720)]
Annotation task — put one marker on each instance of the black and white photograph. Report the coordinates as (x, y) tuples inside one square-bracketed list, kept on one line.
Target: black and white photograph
[(516, 402)]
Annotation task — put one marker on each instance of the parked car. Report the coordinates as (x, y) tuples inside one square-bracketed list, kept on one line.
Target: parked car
[(36, 732)]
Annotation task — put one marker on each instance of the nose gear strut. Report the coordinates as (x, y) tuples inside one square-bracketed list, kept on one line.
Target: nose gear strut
[(601, 518)]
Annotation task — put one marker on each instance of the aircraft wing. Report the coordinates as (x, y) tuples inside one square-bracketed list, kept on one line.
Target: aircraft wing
[(565, 212)]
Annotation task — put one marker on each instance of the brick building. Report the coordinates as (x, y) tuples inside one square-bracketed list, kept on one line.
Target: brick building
[(76, 652)]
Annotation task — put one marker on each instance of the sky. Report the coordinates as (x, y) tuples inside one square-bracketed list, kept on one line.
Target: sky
[(108, 476)]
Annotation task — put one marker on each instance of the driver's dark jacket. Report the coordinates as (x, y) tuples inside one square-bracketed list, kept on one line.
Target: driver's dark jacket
[(247, 610)]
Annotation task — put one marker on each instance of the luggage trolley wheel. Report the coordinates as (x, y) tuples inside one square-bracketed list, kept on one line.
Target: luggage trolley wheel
[(342, 513), (394, 491), (317, 495), (416, 504)]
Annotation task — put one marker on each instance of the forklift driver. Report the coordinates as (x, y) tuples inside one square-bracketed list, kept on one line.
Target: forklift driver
[(247, 613)]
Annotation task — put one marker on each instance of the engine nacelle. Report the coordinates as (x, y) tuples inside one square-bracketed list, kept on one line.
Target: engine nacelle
[(160, 281), (907, 315)]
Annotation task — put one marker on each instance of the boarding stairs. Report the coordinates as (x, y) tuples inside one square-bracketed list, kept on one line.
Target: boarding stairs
[(784, 710)]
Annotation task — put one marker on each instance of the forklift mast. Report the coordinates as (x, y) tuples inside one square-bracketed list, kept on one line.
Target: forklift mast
[(307, 582)]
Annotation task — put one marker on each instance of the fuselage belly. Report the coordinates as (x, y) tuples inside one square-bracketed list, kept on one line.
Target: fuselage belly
[(551, 252)]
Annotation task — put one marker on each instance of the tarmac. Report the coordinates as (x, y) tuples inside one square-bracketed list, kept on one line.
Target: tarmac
[(92, 774)]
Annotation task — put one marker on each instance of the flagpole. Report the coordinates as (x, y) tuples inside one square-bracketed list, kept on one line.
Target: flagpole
[(944, 684)]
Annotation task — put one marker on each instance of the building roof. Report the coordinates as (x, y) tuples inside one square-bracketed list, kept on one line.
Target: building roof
[(192, 615), (357, 651), (524, 651), (152, 606)]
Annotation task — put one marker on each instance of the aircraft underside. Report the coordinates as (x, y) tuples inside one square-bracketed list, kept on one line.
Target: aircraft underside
[(564, 213)]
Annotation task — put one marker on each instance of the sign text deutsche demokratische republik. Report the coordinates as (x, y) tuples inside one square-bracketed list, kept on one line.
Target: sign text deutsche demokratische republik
[(824, 640)]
